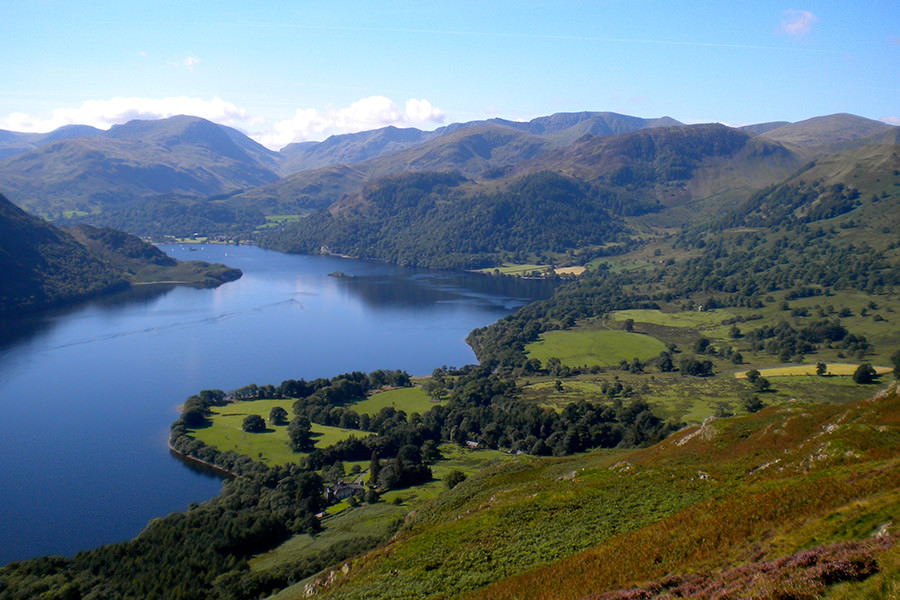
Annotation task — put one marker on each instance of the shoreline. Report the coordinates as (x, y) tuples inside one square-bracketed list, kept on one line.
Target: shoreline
[(200, 461)]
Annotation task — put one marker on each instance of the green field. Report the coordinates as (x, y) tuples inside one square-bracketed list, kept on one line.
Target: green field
[(691, 399), (278, 220), (586, 347), (518, 270), (270, 447), (692, 319), (411, 399), (794, 371)]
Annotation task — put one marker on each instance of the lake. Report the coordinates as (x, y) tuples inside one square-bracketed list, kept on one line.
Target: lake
[(87, 394)]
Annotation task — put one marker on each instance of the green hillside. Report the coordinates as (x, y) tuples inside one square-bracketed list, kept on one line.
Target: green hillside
[(747, 493), (441, 220), (43, 266), (140, 160), (660, 175)]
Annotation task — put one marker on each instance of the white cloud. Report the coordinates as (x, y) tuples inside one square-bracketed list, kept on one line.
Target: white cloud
[(368, 113), (105, 113), (188, 62), (891, 120), (797, 22), (306, 124)]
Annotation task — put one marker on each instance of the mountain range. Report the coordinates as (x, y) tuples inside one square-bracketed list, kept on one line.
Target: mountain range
[(185, 175), (766, 251)]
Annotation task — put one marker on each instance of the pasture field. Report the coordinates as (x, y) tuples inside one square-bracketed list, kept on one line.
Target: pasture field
[(530, 270), (410, 400), (689, 319), (875, 317), (517, 270), (590, 347), (691, 399), (278, 220), (269, 447), (793, 371)]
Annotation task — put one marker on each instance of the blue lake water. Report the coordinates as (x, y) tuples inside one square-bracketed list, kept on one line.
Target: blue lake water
[(87, 394)]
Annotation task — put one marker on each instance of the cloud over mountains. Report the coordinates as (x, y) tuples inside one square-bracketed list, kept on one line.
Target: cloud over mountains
[(306, 124)]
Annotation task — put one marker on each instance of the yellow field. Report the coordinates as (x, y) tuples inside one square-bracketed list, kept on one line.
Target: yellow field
[(569, 270), (833, 369)]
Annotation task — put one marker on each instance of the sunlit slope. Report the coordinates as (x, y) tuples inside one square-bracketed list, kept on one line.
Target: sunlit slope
[(732, 493)]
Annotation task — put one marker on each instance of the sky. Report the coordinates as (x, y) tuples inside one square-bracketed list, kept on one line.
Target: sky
[(291, 71)]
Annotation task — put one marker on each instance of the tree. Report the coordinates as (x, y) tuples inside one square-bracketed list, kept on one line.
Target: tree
[(278, 416), (253, 424), (752, 375), (762, 384), (374, 469), (334, 473), (664, 362), (430, 451), (864, 374), (752, 404), (454, 478), (895, 358), (701, 345), (300, 434), (629, 324), (821, 369), (695, 367)]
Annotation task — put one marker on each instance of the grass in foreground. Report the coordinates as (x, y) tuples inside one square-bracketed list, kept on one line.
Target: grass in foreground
[(734, 492)]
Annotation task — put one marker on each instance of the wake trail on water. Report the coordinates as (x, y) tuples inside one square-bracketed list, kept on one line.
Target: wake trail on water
[(178, 325)]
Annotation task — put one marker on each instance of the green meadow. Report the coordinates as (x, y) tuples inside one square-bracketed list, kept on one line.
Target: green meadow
[(588, 347), (271, 446), (411, 399)]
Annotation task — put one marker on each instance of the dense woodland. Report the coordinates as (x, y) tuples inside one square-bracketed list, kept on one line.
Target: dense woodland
[(433, 220)]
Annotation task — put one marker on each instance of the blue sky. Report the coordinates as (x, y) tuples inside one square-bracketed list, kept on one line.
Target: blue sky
[(294, 71)]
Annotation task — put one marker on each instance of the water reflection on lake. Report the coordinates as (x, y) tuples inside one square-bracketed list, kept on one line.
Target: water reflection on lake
[(87, 393)]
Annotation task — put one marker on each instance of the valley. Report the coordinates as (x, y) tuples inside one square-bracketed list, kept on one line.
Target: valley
[(706, 401)]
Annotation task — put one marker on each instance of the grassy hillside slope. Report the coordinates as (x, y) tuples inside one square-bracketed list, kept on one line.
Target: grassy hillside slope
[(733, 492)]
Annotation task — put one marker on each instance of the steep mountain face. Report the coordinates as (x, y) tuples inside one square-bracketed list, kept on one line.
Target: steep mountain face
[(866, 177), (565, 128), (350, 148), (694, 168), (138, 160), (470, 150), (665, 175), (559, 129), (41, 265)]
